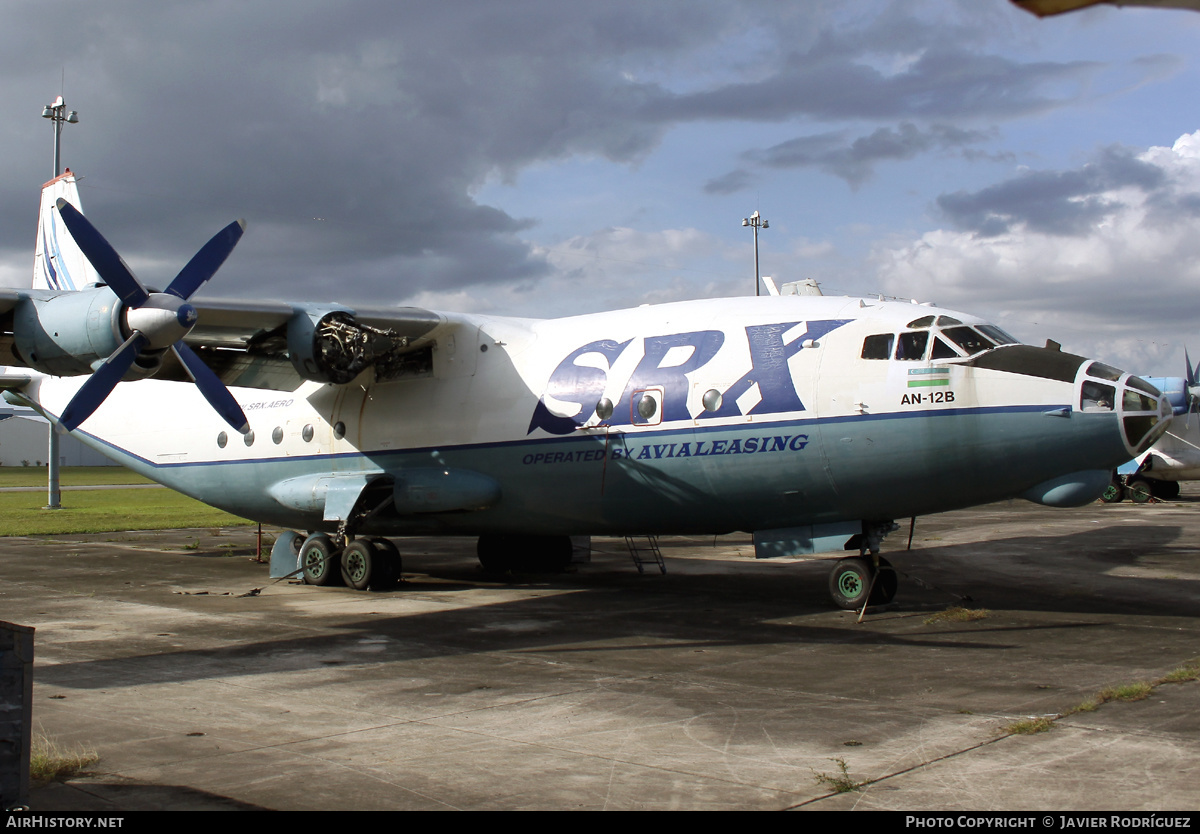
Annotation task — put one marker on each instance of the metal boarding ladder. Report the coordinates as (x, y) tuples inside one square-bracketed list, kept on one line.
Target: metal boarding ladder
[(645, 553)]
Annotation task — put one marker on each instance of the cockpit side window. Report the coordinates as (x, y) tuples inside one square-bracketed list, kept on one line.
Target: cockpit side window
[(911, 346), (1096, 396), (878, 347), (1000, 337), (969, 340), (941, 350)]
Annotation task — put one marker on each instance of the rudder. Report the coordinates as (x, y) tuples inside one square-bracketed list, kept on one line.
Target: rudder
[(58, 263)]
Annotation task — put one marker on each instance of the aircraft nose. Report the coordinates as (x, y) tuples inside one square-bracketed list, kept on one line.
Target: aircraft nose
[(1145, 413)]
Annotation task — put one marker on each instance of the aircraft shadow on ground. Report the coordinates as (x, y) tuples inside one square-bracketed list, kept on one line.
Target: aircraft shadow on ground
[(603, 609)]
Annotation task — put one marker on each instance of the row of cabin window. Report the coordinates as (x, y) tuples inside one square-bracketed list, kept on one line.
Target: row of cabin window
[(307, 433)]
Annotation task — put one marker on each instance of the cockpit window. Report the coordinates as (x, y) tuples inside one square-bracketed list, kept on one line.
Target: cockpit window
[(946, 321), (941, 350), (912, 345), (997, 335), (924, 321), (1097, 396), (969, 340), (1133, 401), (878, 347), (1142, 385), (1099, 369)]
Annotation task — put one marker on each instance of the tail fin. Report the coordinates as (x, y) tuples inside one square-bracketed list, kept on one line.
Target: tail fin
[(58, 264)]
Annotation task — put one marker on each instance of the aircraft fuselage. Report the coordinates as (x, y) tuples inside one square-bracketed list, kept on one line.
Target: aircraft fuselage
[(693, 417)]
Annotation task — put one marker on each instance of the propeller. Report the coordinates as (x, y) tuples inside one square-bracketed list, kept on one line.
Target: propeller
[(1193, 389), (155, 320)]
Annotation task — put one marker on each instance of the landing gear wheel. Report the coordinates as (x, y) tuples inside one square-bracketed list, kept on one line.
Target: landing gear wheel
[(494, 553), (319, 559), (534, 554), (850, 580), (388, 566), (1114, 493), (358, 563), (848, 583), (1138, 490)]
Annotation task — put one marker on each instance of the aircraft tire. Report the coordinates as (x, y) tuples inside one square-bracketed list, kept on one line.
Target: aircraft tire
[(359, 561), (850, 580), (848, 583), (388, 566), (320, 561), (533, 554), (1114, 493), (494, 553), (547, 554), (1138, 490)]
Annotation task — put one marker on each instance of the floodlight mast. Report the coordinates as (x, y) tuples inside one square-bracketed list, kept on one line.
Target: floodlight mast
[(56, 111), (756, 222)]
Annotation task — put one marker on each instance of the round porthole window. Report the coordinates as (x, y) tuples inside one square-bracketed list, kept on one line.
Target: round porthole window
[(307, 433), (339, 429), (604, 408), (277, 435), (222, 440), (647, 406), (249, 438), (711, 399)]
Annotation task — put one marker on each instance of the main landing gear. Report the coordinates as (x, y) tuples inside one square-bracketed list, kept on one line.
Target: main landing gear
[(362, 563), (530, 554), (868, 579)]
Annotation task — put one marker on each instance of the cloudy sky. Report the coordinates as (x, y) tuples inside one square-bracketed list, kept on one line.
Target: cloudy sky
[(536, 157)]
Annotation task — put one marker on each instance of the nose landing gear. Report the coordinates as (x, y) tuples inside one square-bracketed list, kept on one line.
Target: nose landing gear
[(868, 579)]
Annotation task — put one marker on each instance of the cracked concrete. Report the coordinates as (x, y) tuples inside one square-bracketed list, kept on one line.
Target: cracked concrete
[(728, 683)]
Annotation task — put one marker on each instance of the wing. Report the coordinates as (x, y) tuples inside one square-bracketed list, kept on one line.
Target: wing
[(253, 344)]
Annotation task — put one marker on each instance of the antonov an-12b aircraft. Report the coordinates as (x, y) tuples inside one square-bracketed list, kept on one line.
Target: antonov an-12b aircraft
[(811, 422)]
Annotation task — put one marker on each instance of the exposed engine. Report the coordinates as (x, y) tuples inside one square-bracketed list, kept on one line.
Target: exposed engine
[(336, 348)]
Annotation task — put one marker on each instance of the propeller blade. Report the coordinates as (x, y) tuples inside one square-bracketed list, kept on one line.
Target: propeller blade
[(104, 258), (212, 388), (1192, 373), (101, 383), (207, 261)]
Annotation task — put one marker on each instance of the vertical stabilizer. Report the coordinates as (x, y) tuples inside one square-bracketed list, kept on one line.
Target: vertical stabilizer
[(58, 264)]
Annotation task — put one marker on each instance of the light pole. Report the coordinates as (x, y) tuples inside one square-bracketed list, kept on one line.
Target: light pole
[(58, 114), (757, 223)]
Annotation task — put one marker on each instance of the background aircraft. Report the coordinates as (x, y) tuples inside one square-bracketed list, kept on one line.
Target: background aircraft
[(1176, 456), (811, 422)]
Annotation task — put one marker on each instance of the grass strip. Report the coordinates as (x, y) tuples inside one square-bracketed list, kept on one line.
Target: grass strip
[(105, 511), (36, 476)]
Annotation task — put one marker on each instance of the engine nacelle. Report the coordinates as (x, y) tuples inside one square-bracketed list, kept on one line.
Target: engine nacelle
[(70, 334), (67, 334), (333, 347)]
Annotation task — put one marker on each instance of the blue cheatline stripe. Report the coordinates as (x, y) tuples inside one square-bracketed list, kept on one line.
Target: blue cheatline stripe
[(541, 441), (65, 282)]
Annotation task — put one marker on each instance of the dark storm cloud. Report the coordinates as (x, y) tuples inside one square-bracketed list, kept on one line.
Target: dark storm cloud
[(1067, 203), (736, 180), (945, 82), (854, 161), (352, 136)]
